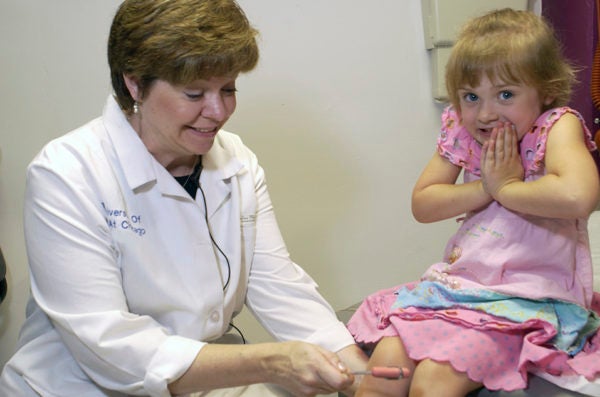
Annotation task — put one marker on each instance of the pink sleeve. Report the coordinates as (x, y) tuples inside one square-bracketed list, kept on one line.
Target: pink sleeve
[(533, 145), (456, 144)]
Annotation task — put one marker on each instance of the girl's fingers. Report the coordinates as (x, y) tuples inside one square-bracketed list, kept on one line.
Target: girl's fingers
[(501, 142), (491, 145), (514, 140), (511, 141), (508, 141), (484, 150)]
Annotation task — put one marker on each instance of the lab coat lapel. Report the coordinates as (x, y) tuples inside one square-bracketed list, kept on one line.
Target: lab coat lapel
[(138, 165), (218, 167)]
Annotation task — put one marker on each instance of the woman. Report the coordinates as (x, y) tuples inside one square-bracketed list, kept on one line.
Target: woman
[(149, 228)]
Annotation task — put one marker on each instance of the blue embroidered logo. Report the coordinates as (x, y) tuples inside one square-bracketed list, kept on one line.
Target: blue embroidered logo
[(118, 219)]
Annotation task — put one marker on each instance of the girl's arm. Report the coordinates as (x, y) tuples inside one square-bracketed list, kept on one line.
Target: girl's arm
[(436, 196), (570, 187)]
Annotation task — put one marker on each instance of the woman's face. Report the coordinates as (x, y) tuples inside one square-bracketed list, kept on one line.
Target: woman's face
[(177, 123)]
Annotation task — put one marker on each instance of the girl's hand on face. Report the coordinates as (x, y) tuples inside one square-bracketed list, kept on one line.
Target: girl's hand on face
[(500, 160)]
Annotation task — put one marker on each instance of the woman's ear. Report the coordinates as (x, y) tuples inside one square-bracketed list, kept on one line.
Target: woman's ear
[(132, 86)]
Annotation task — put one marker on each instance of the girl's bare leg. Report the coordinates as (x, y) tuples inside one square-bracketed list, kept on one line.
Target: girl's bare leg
[(388, 352), (434, 379)]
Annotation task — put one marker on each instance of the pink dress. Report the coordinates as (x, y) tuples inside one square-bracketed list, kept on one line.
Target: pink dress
[(513, 293)]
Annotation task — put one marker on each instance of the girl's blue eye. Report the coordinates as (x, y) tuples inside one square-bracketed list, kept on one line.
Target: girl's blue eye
[(504, 95), (470, 97)]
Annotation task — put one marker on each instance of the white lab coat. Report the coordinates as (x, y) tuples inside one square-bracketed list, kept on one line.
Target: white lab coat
[(126, 284)]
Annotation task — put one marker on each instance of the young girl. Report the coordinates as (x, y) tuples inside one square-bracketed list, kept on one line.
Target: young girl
[(514, 291)]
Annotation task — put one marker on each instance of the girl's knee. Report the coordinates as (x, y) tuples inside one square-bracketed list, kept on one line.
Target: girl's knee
[(434, 379)]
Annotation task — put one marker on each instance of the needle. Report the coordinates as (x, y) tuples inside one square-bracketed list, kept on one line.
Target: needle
[(385, 372)]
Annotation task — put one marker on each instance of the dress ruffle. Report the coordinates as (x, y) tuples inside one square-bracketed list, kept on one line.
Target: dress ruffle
[(491, 350)]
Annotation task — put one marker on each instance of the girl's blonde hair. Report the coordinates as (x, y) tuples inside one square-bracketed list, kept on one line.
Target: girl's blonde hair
[(517, 47), (178, 41)]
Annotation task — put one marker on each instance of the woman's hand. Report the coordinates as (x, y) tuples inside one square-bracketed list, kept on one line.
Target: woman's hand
[(354, 359), (500, 160), (305, 369)]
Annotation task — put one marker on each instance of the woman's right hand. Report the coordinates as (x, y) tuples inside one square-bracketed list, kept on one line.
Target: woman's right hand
[(305, 369)]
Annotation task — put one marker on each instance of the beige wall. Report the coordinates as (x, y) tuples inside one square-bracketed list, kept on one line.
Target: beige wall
[(339, 111)]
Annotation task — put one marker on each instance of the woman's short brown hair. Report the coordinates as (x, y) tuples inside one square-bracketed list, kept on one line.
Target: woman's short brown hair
[(178, 41), (513, 46)]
